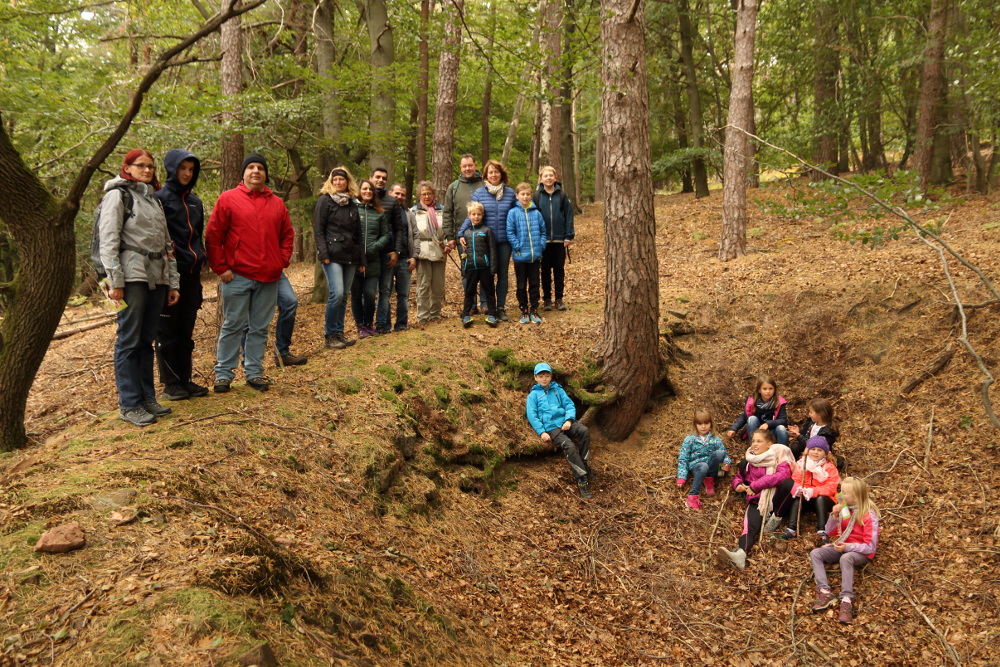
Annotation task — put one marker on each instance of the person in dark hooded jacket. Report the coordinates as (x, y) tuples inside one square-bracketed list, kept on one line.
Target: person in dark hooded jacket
[(557, 210), (186, 223)]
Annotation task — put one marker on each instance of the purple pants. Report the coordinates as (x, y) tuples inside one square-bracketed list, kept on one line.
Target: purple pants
[(849, 562)]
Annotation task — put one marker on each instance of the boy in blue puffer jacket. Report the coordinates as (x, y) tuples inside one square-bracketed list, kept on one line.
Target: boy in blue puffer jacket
[(553, 416), (526, 234)]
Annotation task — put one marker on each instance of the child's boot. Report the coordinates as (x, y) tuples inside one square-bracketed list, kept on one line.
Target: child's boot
[(535, 319), (466, 321), (823, 601), (693, 503), (846, 612), (737, 557), (789, 534), (709, 484), (584, 488)]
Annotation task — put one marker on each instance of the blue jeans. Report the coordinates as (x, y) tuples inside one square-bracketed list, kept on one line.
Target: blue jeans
[(338, 278), (701, 470), (244, 301), (363, 299), (781, 433), (288, 305), (403, 279), (137, 327)]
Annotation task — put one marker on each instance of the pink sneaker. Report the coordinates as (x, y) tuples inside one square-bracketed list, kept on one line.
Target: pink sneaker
[(709, 486), (694, 503)]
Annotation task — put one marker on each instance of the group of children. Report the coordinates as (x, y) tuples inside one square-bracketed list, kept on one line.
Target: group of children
[(781, 478)]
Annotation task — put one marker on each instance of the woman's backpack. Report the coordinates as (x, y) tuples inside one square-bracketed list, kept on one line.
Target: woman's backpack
[(95, 234)]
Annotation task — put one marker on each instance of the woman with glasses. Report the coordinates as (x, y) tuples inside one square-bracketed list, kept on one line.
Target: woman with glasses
[(142, 276)]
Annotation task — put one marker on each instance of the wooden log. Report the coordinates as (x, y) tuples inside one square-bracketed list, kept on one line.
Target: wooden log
[(932, 369)]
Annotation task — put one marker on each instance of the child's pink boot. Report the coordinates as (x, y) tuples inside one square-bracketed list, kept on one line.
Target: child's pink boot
[(694, 503), (709, 486)]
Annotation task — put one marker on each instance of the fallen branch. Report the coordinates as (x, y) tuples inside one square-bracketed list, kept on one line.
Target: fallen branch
[(937, 633), (218, 414), (243, 524), (880, 472), (718, 517), (66, 333), (932, 369), (791, 623), (930, 437)]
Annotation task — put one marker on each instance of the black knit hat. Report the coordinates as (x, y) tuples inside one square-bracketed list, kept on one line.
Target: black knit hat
[(259, 159)]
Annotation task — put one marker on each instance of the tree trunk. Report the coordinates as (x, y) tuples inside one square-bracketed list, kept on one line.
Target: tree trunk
[(931, 87), (599, 166), (330, 151), (508, 144), (737, 148), (231, 72), (554, 77), (442, 168), (411, 152), (698, 171), (908, 82), (567, 138), (382, 118), (629, 342), (422, 85), (825, 118), (484, 117)]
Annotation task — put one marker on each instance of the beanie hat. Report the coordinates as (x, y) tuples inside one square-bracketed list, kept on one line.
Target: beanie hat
[(818, 442), (259, 159)]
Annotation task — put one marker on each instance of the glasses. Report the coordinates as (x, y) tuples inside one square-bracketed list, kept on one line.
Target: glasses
[(147, 167)]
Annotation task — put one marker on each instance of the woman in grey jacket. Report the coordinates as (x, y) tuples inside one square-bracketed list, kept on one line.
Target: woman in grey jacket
[(138, 256)]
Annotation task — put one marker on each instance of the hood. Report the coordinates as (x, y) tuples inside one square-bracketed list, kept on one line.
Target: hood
[(552, 385), (172, 160), (476, 177), (555, 188), (118, 181)]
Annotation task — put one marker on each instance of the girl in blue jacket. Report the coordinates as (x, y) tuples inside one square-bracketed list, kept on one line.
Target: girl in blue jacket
[(526, 234), (553, 416)]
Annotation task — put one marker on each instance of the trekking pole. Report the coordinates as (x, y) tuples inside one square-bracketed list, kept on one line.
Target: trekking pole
[(798, 514)]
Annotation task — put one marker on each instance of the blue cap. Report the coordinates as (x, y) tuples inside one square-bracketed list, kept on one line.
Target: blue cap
[(541, 368)]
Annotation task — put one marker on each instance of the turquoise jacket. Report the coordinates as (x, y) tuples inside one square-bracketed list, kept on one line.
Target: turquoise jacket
[(526, 233), (548, 409)]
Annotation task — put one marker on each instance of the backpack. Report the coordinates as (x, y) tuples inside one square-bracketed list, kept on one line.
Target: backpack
[(95, 234)]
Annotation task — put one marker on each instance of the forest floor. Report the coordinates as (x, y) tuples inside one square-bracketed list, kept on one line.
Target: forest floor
[(388, 504)]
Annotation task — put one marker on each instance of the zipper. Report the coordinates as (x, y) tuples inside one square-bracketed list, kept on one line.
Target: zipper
[(531, 245), (187, 212), (475, 262)]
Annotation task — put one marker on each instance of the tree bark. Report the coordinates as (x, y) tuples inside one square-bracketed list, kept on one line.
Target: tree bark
[(629, 342), (484, 116), (695, 123), (231, 72), (599, 166), (422, 86), (567, 138), (508, 144), (442, 167), (931, 87), (825, 116), (323, 25), (733, 242), (552, 139), (382, 118)]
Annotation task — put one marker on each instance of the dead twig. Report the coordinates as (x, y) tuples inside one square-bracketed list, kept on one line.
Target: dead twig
[(59, 335), (791, 622), (216, 415), (891, 468), (932, 369), (930, 438), (239, 520), (949, 649), (718, 517)]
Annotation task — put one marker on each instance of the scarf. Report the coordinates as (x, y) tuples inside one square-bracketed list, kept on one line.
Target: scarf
[(341, 198), (769, 405), (770, 460), (817, 468), (495, 190), (850, 525)]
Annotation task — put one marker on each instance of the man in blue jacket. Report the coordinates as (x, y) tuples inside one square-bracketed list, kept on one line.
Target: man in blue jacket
[(553, 416)]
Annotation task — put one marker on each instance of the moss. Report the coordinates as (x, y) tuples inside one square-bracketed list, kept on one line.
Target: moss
[(470, 397), (393, 377), (348, 384), (443, 394), (389, 396)]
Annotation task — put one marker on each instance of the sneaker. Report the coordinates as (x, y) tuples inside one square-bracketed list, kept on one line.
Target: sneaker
[(365, 332), (174, 392), (334, 343), (560, 305), (823, 601), (259, 383), (584, 488), (381, 331), (822, 538), (474, 311), (709, 486), (547, 304), (535, 319), (346, 341), (788, 534), (846, 614), (737, 557), (154, 408), (137, 417), (221, 386), (466, 321), (693, 503), (502, 316), (492, 321), (525, 318), (195, 390)]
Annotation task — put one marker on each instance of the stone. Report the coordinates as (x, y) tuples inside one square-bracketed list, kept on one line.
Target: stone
[(61, 539), (113, 499), (258, 656)]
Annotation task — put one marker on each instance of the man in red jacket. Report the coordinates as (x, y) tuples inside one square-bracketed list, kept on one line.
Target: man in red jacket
[(249, 242)]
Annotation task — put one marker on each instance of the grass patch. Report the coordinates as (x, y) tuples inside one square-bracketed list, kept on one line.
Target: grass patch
[(348, 384)]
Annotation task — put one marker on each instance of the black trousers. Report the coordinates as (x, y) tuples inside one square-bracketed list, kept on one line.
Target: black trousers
[(753, 521), (575, 446), (553, 264), (483, 278), (820, 504), (526, 274), (174, 342)]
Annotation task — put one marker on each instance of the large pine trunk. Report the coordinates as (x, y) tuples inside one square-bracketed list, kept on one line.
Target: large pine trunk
[(931, 89), (323, 25), (737, 150), (567, 138), (421, 138), (698, 171), (825, 114), (447, 99), (629, 342), (231, 73), (382, 119)]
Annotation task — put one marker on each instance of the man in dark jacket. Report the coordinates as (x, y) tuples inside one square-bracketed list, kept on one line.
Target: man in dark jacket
[(249, 242), (557, 211), (186, 222), (393, 259)]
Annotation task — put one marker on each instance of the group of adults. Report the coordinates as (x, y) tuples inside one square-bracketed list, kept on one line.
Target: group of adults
[(150, 245)]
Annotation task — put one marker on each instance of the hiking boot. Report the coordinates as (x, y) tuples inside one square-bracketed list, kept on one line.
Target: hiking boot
[(466, 321), (492, 321), (221, 386), (381, 331), (788, 534), (560, 305), (709, 484), (174, 392), (773, 523), (525, 318), (346, 341), (502, 316), (823, 601), (137, 417), (334, 343), (154, 408), (195, 390), (535, 319), (736, 557), (590, 471), (846, 612), (693, 503), (259, 383), (547, 304), (584, 488), (289, 359)]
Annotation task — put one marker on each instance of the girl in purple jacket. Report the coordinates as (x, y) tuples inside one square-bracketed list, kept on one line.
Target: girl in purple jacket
[(765, 475)]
